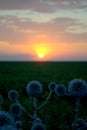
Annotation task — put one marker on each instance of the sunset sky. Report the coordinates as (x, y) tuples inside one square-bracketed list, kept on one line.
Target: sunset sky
[(46, 30)]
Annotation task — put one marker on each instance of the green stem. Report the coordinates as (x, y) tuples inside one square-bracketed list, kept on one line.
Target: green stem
[(47, 99), (35, 107), (76, 112), (77, 108)]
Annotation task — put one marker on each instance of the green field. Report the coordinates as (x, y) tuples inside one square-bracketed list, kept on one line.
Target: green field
[(16, 75)]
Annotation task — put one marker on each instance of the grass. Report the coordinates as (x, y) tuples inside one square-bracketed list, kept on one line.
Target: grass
[(16, 75), (19, 73)]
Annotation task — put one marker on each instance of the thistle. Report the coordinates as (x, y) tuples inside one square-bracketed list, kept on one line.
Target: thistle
[(6, 119), (38, 126), (34, 88), (77, 87), (8, 127), (16, 110), (52, 86), (60, 90), (13, 95), (18, 124)]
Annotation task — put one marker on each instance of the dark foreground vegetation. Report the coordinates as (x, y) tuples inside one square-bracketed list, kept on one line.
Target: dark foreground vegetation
[(16, 75)]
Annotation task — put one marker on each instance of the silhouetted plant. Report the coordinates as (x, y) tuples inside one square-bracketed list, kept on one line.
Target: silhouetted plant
[(34, 88), (80, 124), (1, 100), (8, 127), (13, 95), (77, 88), (52, 86), (38, 126), (18, 124), (6, 119), (16, 110), (46, 119), (60, 90)]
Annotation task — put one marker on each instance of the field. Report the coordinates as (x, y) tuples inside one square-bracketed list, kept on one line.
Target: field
[(16, 75)]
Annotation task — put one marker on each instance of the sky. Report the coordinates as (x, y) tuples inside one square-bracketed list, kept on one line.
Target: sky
[(45, 30)]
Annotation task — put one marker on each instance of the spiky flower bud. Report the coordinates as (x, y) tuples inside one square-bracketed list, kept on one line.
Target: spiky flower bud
[(60, 90), (18, 124), (34, 88), (13, 94), (6, 119), (8, 127), (16, 109), (38, 126), (52, 86), (77, 87)]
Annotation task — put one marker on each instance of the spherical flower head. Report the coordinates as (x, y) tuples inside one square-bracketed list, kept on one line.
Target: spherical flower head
[(13, 94), (18, 124), (34, 88), (60, 90), (16, 109), (52, 86), (80, 122), (77, 87), (6, 119), (8, 127), (38, 126), (1, 99)]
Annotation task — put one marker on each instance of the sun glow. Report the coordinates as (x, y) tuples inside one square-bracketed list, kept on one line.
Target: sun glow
[(41, 51)]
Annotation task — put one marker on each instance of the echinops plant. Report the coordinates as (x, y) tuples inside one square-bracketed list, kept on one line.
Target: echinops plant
[(12, 120)]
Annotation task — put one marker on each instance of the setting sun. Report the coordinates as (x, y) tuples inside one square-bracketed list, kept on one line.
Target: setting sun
[(41, 51), (41, 55)]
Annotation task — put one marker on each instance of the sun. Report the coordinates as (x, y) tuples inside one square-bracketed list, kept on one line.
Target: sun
[(41, 51), (41, 55)]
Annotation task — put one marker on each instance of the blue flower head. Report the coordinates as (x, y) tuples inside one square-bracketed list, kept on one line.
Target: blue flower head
[(52, 86), (77, 87), (6, 119), (60, 90), (16, 109), (8, 127), (1, 99), (13, 94), (38, 126), (34, 88), (18, 124)]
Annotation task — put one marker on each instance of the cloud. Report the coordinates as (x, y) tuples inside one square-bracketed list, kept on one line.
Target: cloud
[(45, 6), (16, 57), (68, 4), (10, 28), (70, 57), (34, 5), (21, 31)]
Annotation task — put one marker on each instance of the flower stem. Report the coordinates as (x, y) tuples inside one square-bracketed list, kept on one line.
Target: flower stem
[(49, 96), (77, 108), (76, 112), (35, 107)]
